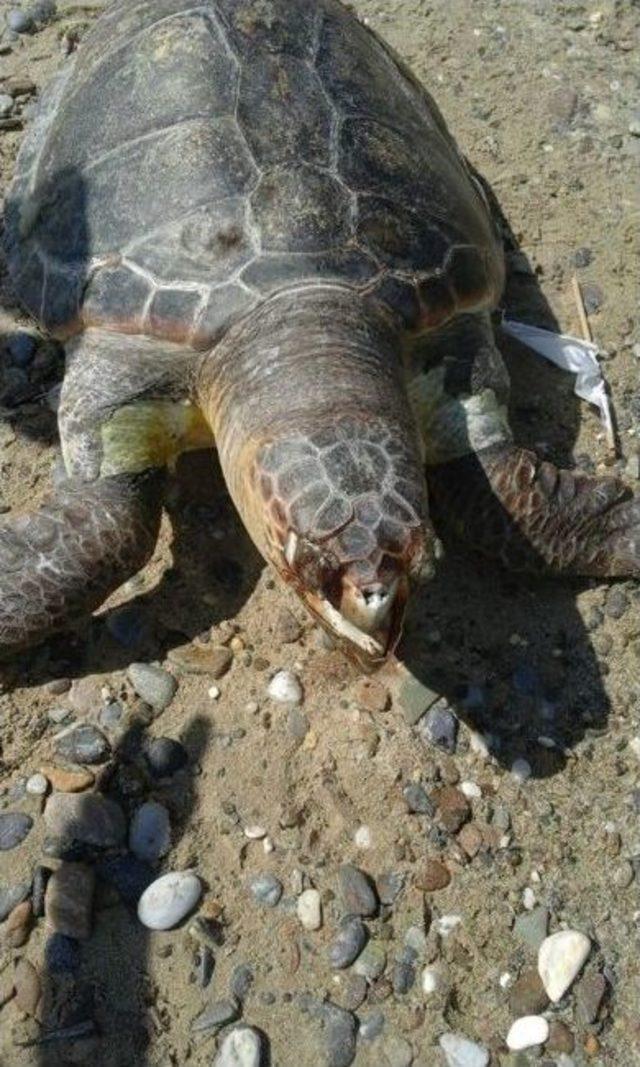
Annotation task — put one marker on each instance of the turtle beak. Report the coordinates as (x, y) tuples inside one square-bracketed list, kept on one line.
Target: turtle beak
[(368, 622)]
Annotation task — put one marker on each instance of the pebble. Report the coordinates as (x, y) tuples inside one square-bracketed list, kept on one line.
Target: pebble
[(403, 977), (21, 346), (217, 1015), (202, 659), (6, 107), (560, 960), (453, 808), (266, 889), (470, 839), (19, 22), (362, 837), (341, 1030), (111, 715), (417, 800), (11, 896), (40, 878), (17, 927), (287, 627), (527, 995), (526, 1032), (27, 986), (371, 962), (58, 715), (357, 891), (153, 684), (531, 927), (439, 727), (389, 885), (69, 781), (69, 900), (459, 1051), (205, 963), (590, 992), (169, 899), (432, 980), (371, 695), (42, 11), (86, 817), (348, 943), (164, 756), (285, 688), (433, 875), (37, 785), (371, 1026), (415, 699), (150, 832), (352, 991), (83, 744), (255, 833), (242, 978), (521, 770), (582, 257), (309, 909), (14, 827), (560, 1038), (297, 723), (242, 1047)]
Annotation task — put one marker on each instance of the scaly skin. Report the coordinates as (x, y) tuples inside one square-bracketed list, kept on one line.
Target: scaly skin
[(60, 563)]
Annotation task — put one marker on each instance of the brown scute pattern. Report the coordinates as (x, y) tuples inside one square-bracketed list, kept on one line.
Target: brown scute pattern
[(173, 313), (510, 505), (282, 144), (60, 563), (339, 490)]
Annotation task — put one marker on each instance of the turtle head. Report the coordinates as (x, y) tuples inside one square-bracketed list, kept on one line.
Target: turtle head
[(343, 519)]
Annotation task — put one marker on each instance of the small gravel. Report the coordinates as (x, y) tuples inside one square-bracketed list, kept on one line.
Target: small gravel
[(242, 1047), (309, 909), (417, 800), (37, 785), (83, 744), (19, 21), (164, 756), (266, 889), (372, 961), (459, 1051), (527, 1032), (216, 1015), (14, 827), (11, 896), (285, 688), (357, 891), (439, 727), (348, 943)]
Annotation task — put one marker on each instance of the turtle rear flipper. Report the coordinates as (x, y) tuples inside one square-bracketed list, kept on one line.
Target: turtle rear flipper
[(62, 561), (503, 500)]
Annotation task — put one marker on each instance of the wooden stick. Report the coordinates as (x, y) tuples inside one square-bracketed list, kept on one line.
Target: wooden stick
[(582, 313)]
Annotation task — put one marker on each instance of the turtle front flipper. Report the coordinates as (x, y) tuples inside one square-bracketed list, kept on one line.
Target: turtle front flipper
[(123, 418), (503, 500), (61, 562)]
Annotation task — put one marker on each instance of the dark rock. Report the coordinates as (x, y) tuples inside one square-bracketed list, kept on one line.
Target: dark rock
[(453, 808), (83, 744), (128, 627), (86, 817), (589, 992), (582, 257), (439, 727), (22, 348), (69, 900), (14, 827), (205, 963), (592, 297), (358, 893), (403, 977), (527, 995), (11, 896), (242, 978), (348, 942), (40, 879), (42, 11), (417, 800), (164, 756), (340, 1032), (216, 1015)]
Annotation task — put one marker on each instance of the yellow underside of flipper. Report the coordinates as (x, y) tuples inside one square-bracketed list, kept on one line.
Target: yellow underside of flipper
[(151, 433)]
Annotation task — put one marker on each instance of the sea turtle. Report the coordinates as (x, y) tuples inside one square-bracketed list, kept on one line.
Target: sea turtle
[(237, 215)]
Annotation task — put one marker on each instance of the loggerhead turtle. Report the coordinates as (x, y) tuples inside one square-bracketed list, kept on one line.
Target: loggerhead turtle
[(237, 214)]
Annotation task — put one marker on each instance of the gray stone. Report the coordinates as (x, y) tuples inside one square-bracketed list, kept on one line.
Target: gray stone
[(242, 978), (11, 896), (266, 889), (242, 1047), (83, 744), (87, 817), (165, 756), (417, 800), (69, 900), (371, 962), (531, 927), (459, 1051), (14, 827), (152, 684), (19, 21), (371, 1026), (589, 992), (110, 717), (340, 1032), (394, 1051), (389, 886), (415, 698), (150, 832), (357, 891), (439, 727), (403, 977), (348, 942), (216, 1015)]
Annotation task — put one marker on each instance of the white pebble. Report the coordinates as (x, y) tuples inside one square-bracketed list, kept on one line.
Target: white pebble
[(505, 980), (255, 833), (634, 745), (560, 960), (479, 744), (362, 837), (268, 846), (214, 692), (459, 1051), (285, 688), (431, 980), (167, 900), (240, 1048), (447, 923), (309, 909), (528, 1031), (471, 790), (37, 785), (521, 769), (529, 898)]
